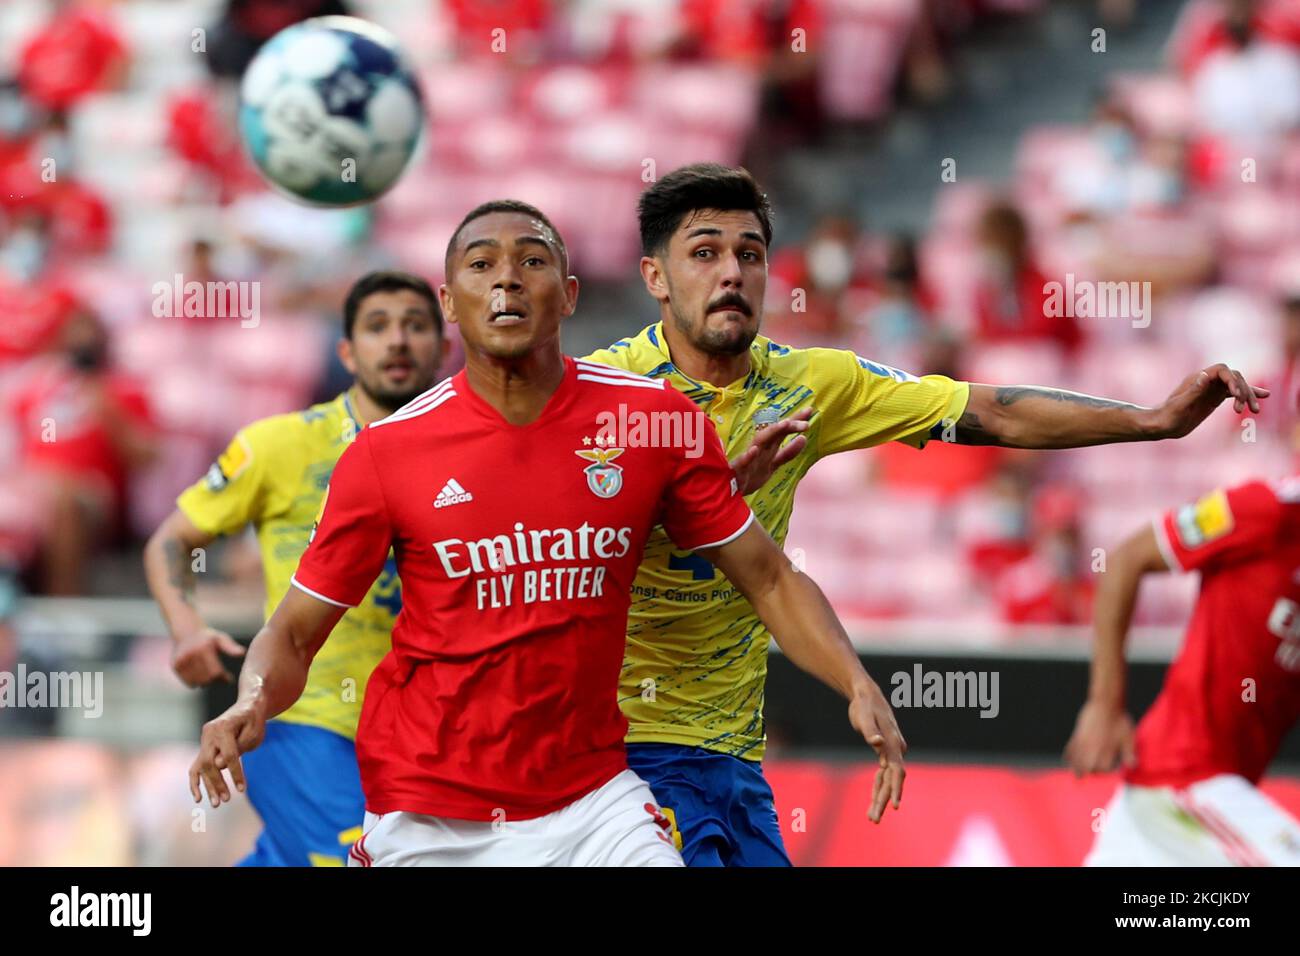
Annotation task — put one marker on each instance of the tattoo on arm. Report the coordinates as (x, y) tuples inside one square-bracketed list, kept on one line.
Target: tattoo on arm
[(1010, 394), (970, 430), (179, 574)]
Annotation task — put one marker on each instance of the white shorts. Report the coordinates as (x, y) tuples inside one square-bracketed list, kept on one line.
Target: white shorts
[(1220, 821), (617, 824)]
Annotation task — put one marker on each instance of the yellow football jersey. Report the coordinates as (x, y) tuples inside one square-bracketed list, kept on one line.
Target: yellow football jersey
[(696, 661), (273, 476)]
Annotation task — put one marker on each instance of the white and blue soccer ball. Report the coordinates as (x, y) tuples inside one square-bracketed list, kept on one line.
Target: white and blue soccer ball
[(330, 111)]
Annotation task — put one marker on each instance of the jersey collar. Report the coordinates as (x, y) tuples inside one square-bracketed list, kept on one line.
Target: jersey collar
[(758, 353), (350, 410)]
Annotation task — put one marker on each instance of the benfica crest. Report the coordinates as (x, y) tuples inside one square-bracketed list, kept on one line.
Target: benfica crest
[(603, 478)]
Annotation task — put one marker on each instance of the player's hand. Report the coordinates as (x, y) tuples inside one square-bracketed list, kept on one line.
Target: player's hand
[(224, 738), (1201, 393), (871, 716), (765, 454), (1102, 740), (196, 657)]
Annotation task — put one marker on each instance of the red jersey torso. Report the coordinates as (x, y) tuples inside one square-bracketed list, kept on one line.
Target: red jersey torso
[(516, 547), (1233, 692)]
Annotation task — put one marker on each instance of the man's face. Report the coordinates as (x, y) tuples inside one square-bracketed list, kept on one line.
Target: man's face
[(395, 349), (506, 285), (713, 276)]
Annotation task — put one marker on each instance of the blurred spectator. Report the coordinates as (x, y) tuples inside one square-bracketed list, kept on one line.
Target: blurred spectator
[(525, 24), (1281, 413), (900, 317), (1011, 294), (1054, 584), (33, 300), (82, 429), (201, 130), (246, 24), (816, 284), (74, 53), (1243, 66), (8, 605)]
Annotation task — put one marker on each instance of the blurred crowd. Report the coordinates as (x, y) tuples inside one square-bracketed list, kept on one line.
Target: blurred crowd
[(1185, 182), (120, 169)]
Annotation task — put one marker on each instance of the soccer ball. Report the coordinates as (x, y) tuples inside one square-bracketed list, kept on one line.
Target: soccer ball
[(330, 111)]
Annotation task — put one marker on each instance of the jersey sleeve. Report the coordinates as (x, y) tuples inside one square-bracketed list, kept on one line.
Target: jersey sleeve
[(1224, 526), (234, 490), (702, 507), (353, 533), (863, 403)]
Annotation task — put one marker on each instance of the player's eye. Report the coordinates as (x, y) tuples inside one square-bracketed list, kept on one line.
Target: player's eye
[(475, 264), (703, 252), (534, 261)]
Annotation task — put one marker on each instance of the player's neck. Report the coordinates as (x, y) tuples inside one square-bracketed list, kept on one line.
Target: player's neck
[(517, 388), (365, 408), (719, 370)]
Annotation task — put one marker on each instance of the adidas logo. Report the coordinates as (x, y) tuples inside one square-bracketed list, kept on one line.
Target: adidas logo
[(452, 494)]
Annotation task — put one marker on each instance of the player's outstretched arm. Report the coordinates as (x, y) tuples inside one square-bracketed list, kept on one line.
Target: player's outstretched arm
[(272, 678), (794, 609), (1030, 416), (1103, 734), (168, 567)]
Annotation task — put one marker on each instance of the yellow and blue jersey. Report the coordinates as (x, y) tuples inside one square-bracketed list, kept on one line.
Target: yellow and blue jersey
[(273, 475), (696, 660)]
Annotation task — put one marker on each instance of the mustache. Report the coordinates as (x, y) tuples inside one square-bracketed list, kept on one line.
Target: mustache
[(731, 300)]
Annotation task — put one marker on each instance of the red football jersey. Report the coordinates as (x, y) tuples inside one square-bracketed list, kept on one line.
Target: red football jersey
[(516, 547), (1233, 692)]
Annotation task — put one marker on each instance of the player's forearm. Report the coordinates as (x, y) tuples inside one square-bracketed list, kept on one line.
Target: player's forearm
[(276, 666), (1113, 616), (797, 613), (1030, 416), (171, 582), (275, 670)]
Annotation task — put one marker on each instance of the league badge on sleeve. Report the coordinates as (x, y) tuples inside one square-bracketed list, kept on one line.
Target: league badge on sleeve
[(1205, 521), (229, 465)]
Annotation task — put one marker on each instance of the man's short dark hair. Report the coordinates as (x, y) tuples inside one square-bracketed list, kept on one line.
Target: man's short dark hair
[(507, 205), (692, 188), (387, 281)]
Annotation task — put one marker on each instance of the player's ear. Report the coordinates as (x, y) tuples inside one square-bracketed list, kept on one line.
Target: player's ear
[(444, 299), (571, 294), (653, 277), (346, 355)]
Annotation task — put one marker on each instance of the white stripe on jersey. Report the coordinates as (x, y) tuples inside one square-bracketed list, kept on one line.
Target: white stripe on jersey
[(416, 412), (602, 369), (632, 382), (319, 597), (424, 396)]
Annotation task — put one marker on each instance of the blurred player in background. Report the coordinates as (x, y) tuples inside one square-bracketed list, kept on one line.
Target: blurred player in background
[(1189, 794), (492, 733), (85, 427), (693, 682), (303, 781)]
